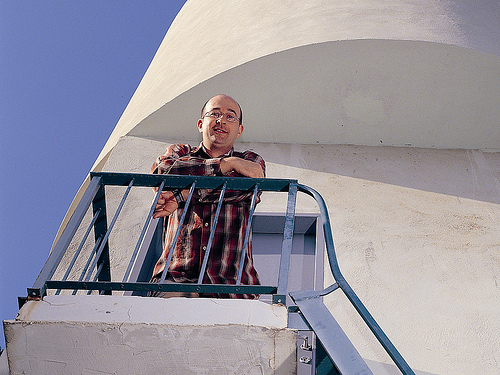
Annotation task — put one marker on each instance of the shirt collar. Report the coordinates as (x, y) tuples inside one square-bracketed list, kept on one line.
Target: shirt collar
[(202, 152)]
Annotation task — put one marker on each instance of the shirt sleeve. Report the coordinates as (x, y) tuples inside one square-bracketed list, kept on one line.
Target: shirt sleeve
[(178, 160), (232, 196), (250, 156)]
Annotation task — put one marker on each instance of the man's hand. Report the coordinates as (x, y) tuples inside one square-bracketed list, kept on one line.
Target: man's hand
[(244, 167), (166, 205)]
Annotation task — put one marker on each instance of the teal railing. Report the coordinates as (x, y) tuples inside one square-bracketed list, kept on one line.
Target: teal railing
[(96, 273)]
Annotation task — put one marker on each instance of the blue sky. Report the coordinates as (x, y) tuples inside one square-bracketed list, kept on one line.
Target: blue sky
[(67, 71)]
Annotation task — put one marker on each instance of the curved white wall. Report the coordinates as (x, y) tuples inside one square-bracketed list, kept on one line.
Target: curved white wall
[(210, 37), (365, 92)]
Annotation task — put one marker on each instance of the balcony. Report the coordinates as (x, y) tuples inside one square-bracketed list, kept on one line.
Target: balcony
[(90, 299)]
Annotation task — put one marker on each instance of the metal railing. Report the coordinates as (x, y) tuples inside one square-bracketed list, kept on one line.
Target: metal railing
[(96, 275)]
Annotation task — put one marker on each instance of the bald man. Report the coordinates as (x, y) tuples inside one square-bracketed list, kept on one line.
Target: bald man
[(220, 125)]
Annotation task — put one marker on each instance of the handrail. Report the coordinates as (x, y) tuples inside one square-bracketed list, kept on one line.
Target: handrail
[(346, 288), (95, 195)]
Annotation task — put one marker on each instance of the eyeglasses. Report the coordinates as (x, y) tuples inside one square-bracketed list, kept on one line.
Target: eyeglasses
[(230, 117)]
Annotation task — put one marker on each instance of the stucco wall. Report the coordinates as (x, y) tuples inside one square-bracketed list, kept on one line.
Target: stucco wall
[(254, 29), (135, 335), (397, 70), (417, 237)]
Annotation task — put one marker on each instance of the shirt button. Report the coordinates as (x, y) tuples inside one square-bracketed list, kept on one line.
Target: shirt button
[(204, 247), (206, 224)]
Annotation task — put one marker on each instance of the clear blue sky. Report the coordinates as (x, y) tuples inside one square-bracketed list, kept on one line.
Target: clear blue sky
[(67, 71)]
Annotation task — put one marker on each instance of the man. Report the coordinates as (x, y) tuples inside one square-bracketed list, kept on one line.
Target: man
[(220, 125)]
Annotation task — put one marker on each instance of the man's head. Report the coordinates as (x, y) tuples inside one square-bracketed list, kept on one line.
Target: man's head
[(203, 109), (220, 124)]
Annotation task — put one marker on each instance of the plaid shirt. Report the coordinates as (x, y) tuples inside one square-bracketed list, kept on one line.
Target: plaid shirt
[(225, 253)]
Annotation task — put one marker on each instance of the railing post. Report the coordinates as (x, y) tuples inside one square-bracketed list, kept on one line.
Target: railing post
[(100, 229), (102, 257), (80, 247), (38, 289), (143, 233), (212, 234), (174, 242), (286, 249), (247, 235)]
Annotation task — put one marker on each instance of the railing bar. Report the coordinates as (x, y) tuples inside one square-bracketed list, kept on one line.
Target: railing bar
[(144, 229), (247, 235), (111, 225), (146, 286), (286, 249), (96, 276), (211, 237), (346, 288), (92, 254), (99, 269), (80, 247), (174, 242), (62, 244), (202, 182), (309, 294)]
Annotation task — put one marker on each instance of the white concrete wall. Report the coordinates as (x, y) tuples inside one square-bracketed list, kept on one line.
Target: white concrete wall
[(133, 335), (417, 237), (363, 92), (199, 46)]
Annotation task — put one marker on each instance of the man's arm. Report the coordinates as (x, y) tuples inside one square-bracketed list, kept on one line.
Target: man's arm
[(178, 161), (241, 164), (243, 167), (168, 203)]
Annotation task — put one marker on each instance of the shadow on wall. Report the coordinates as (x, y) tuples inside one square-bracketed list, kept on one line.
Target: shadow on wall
[(467, 174), (385, 368)]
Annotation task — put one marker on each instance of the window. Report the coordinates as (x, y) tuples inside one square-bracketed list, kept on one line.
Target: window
[(306, 264)]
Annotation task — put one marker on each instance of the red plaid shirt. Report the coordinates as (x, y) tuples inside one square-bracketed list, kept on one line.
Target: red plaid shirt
[(227, 245)]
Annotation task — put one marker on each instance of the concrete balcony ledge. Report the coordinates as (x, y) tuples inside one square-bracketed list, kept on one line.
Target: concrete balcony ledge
[(131, 335), (131, 309)]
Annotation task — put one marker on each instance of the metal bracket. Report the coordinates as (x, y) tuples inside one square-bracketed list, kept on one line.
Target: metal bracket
[(306, 353), (34, 294), (279, 299), (21, 301)]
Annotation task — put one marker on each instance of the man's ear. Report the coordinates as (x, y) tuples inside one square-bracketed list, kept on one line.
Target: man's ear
[(200, 125), (240, 130)]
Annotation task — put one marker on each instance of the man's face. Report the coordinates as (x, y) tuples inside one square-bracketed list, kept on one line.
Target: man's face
[(220, 134)]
